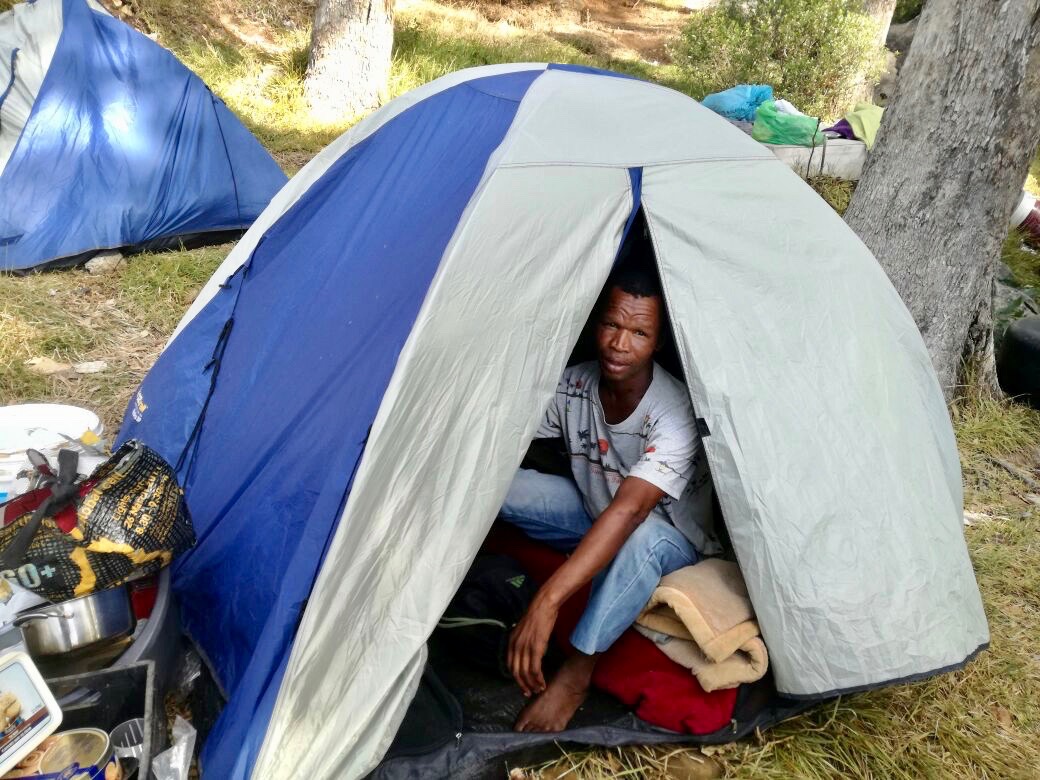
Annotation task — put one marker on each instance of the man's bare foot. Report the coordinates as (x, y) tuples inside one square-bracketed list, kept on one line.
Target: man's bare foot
[(556, 705)]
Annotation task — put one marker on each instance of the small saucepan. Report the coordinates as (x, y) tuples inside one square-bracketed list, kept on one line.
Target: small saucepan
[(55, 629)]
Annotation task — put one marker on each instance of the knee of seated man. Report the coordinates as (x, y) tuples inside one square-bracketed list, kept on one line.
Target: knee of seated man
[(650, 533)]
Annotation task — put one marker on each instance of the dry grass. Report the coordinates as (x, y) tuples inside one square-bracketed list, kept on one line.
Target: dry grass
[(837, 192), (981, 722), (122, 318)]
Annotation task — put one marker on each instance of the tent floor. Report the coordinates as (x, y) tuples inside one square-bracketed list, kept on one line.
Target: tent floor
[(492, 704), (460, 725)]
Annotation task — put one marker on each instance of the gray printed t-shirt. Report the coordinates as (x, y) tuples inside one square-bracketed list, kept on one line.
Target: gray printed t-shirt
[(658, 443)]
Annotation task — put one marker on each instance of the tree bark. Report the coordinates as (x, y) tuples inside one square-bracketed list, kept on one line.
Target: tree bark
[(940, 185), (882, 11), (349, 64)]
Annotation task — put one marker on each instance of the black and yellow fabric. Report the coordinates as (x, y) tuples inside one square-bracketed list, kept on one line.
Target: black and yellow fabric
[(130, 520)]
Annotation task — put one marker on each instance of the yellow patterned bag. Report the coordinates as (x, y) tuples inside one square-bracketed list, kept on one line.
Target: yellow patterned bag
[(128, 519)]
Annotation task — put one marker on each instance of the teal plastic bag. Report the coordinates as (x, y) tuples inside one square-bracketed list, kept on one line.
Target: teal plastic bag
[(739, 102), (775, 127)]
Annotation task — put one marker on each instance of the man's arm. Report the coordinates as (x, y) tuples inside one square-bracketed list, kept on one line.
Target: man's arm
[(632, 503)]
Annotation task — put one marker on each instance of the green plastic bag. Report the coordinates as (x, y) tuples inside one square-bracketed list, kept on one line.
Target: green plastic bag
[(775, 127)]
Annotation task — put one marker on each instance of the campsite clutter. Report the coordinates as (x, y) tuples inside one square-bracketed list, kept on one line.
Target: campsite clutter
[(1018, 360), (794, 137), (167, 163), (778, 124), (860, 124), (398, 362), (1026, 217), (83, 539), (739, 103)]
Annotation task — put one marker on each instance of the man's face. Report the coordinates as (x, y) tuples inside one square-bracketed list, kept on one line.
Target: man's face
[(627, 334)]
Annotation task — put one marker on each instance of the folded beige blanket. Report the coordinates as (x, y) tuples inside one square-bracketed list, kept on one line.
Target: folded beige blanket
[(700, 616)]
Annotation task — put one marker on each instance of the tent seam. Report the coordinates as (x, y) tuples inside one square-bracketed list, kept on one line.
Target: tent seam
[(495, 95), (626, 166), (227, 153)]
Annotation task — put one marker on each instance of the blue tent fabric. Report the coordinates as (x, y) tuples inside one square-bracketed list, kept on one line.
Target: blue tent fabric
[(266, 473), (124, 147)]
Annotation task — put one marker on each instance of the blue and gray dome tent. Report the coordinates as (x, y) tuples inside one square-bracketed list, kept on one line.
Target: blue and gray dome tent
[(108, 142), (346, 436)]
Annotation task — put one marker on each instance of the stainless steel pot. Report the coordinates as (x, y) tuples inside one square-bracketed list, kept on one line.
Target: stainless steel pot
[(61, 628)]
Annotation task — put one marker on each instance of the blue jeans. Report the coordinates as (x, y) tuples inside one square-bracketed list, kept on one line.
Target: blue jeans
[(550, 509)]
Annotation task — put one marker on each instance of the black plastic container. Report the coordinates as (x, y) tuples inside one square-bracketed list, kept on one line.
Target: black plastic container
[(106, 698)]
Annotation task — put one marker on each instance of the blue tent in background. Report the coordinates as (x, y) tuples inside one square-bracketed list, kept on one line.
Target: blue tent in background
[(108, 142)]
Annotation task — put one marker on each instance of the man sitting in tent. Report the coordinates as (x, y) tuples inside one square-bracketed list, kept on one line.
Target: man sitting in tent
[(639, 506)]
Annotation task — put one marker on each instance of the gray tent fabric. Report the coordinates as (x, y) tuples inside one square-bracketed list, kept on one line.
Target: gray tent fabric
[(831, 446), (828, 437), (29, 34)]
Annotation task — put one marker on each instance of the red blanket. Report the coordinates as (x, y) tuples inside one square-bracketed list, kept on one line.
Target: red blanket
[(659, 690)]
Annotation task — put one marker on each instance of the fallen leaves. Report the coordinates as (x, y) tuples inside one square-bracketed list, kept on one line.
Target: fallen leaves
[(975, 518), (90, 367), (1003, 716), (105, 263), (44, 366)]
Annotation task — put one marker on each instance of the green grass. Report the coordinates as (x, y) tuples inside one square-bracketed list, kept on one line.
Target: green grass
[(1024, 264), (421, 55), (1023, 261), (158, 288), (264, 85)]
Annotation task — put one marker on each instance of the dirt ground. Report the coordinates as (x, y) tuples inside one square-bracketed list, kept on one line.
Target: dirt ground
[(625, 28)]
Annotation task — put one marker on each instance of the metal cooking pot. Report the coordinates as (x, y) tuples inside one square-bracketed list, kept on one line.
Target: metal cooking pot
[(55, 629)]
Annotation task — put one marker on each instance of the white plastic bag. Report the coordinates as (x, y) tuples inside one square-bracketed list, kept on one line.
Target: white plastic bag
[(175, 763)]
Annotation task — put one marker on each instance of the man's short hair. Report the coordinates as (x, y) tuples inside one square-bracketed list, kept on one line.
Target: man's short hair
[(634, 276)]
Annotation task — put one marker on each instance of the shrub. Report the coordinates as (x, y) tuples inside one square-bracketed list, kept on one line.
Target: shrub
[(816, 53), (907, 10)]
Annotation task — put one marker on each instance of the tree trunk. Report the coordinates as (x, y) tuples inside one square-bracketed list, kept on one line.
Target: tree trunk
[(939, 187), (350, 57), (882, 11)]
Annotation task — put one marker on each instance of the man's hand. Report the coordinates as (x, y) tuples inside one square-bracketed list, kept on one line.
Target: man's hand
[(530, 639), (528, 643)]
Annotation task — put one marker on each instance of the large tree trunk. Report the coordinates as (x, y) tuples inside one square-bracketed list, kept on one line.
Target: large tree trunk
[(952, 153), (350, 57), (882, 11)]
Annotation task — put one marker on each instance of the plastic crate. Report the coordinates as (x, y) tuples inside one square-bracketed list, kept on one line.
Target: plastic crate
[(109, 697)]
